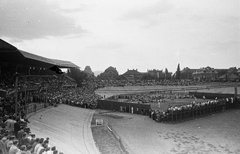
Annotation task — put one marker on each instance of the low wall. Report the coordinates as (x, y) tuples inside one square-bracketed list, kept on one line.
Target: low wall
[(36, 106), (135, 108)]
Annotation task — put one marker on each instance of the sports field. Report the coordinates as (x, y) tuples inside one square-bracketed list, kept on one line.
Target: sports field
[(138, 134), (125, 133)]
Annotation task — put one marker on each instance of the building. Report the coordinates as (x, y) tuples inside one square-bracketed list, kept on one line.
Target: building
[(133, 75), (187, 73), (158, 74), (110, 73), (205, 74), (238, 72)]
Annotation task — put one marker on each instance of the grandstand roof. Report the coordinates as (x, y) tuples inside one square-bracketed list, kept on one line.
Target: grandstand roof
[(9, 52)]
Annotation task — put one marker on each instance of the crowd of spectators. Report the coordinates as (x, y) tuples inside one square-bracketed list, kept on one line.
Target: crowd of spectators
[(121, 83), (150, 97), (50, 90), (193, 110), (84, 96), (16, 138)]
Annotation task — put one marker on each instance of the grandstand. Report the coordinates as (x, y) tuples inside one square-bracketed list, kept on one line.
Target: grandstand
[(27, 83)]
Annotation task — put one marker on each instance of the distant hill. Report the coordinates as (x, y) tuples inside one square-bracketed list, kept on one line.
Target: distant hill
[(96, 73)]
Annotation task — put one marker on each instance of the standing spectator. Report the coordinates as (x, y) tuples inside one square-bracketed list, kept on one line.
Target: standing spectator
[(19, 136), (17, 127)]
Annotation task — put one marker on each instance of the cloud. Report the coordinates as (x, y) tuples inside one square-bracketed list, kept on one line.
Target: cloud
[(27, 19), (107, 46), (149, 11), (78, 8)]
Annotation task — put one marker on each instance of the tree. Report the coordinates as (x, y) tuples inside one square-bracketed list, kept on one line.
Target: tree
[(166, 73), (78, 75), (148, 77), (178, 72)]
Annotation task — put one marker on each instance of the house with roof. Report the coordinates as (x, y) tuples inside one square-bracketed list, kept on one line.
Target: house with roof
[(229, 77), (110, 73), (187, 73), (133, 75), (238, 72), (205, 74)]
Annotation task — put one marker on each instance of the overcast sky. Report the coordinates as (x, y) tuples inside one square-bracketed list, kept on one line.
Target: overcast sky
[(126, 34)]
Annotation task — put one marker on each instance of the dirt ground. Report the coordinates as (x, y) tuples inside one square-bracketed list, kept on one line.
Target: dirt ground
[(215, 134)]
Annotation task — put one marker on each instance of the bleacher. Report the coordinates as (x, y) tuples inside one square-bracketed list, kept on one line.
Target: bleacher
[(27, 85)]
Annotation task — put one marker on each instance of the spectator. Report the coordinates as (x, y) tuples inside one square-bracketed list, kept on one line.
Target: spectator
[(3, 149), (14, 147), (25, 140), (38, 145), (9, 142), (35, 143), (17, 127)]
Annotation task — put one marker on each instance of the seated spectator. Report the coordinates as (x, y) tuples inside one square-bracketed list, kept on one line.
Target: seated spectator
[(9, 142), (34, 144), (29, 149), (55, 152), (3, 149), (51, 150), (25, 140), (42, 148), (32, 138), (38, 145), (14, 147)]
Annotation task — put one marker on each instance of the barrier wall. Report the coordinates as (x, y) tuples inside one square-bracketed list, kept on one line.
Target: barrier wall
[(135, 108)]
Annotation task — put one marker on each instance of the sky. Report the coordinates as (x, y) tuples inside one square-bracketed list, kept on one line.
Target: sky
[(126, 34)]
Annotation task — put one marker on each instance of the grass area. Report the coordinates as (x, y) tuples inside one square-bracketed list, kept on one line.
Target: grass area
[(104, 138)]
